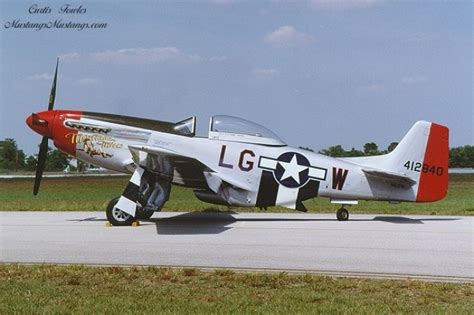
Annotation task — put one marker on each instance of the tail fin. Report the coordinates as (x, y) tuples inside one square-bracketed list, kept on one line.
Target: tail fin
[(423, 155)]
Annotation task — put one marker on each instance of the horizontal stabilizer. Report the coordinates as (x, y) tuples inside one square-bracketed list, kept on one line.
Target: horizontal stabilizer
[(390, 177), (344, 201)]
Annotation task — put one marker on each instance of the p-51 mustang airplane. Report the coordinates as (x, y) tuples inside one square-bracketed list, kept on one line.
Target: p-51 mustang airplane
[(240, 163)]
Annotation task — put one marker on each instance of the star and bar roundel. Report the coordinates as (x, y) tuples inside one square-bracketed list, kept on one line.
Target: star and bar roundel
[(288, 180), (292, 169)]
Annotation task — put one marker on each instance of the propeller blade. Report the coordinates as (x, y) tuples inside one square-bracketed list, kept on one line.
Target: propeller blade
[(52, 95), (43, 151)]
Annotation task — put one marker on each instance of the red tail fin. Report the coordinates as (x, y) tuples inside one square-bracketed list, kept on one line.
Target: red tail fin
[(433, 182)]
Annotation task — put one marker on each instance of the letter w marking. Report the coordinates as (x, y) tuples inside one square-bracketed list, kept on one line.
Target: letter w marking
[(338, 177)]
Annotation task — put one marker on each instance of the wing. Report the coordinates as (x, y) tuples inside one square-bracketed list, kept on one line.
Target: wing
[(183, 169), (393, 178), (187, 164), (165, 162)]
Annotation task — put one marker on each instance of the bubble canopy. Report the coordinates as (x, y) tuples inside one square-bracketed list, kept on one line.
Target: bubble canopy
[(223, 127)]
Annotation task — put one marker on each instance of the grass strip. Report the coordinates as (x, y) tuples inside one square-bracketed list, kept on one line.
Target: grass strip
[(80, 289)]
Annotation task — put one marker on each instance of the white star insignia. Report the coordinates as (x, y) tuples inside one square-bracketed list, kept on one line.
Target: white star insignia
[(292, 169)]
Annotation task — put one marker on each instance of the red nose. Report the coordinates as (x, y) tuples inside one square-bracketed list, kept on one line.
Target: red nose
[(42, 122)]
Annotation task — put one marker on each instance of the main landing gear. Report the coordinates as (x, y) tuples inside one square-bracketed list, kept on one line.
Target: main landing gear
[(116, 216), (342, 214), (119, 218)]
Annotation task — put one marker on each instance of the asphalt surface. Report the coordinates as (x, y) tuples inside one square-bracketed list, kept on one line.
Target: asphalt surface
[(427, 247)]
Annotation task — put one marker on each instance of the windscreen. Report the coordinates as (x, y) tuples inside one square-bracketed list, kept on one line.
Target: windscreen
[(239, 126), (186, 127)]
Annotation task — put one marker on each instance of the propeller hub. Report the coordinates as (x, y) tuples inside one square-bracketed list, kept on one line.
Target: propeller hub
[(42, 123)]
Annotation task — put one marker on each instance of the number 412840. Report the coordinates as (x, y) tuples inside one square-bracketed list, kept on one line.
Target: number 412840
[(425, 168)]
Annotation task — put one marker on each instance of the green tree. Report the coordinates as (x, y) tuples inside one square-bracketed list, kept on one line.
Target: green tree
[(462, 156), (334, 151), (306, 148), (392, 146), (30, 163), (371, 148), (353, 152), (11, 158), (56, 160)]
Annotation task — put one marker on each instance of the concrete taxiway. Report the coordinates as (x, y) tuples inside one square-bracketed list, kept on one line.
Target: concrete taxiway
[(427, 247)]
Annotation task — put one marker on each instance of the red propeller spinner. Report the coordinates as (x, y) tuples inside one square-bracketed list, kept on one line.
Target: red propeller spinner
[(42, 123)]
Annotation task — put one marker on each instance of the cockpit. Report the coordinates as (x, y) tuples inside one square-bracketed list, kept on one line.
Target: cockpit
[(229, 128)]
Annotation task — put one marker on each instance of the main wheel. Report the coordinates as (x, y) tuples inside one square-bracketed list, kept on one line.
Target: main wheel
[(342, 215), (116, 216)]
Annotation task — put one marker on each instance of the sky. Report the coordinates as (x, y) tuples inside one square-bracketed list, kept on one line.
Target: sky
[(318, 73)]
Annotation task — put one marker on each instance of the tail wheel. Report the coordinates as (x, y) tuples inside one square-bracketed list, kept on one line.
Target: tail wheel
[(342, 215), (116, 216)]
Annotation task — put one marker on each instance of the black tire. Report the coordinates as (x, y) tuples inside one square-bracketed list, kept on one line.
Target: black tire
[(144, 214), (342, 215), (117, 217)]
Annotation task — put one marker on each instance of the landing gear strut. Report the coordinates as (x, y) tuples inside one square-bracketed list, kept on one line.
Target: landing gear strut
[(342, 214)]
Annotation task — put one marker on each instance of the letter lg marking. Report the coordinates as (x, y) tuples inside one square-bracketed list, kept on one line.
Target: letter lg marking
[(249, 166), (338, 177), (245, 166), (221, 158)]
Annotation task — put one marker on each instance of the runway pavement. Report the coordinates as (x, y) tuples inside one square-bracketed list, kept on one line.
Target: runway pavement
[(427, 247)]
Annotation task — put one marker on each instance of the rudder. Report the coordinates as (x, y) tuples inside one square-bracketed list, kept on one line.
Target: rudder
[(433, 182)]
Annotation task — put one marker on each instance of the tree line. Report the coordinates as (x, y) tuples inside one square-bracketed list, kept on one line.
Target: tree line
[(459, 157), (369, 148), (14, 159)]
